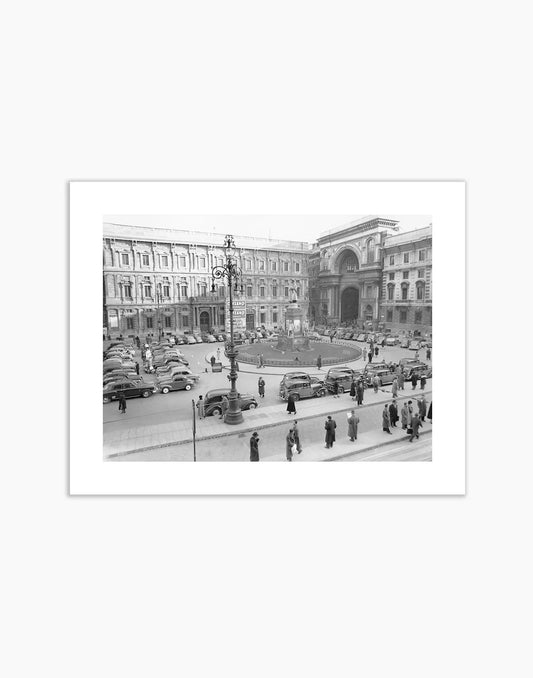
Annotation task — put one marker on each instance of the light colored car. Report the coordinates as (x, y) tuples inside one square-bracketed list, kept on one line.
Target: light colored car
[(198, 338), (177, 370), (211, 339), (414, 345), (175, 383), (191, 339), (392, 341)]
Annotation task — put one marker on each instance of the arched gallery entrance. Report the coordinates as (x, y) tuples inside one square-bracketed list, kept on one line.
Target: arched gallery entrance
[(204, 321), (349, 305)]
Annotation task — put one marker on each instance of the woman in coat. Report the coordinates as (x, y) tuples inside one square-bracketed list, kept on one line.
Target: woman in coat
[(261, 387), (422, 382), (376, 351), (404, 415), (330, 427), (353, 422), (394, 388), (289, 442), (393, 414), (386, 419), (422, 408), (401, 379), (352, 389), (291, 407)]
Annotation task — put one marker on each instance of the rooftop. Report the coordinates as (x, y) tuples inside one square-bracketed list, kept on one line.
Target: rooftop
[(112, 230), (367, 222), (409, 236)]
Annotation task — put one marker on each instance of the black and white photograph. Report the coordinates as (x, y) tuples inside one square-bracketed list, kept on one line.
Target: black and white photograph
[(267, 338)]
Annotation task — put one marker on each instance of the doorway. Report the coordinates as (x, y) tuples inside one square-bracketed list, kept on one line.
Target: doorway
[(349, 305), (204, 321)]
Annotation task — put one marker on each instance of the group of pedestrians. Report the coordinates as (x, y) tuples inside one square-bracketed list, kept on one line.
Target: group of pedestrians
[(372, 351), (411, 421), (292, 443)]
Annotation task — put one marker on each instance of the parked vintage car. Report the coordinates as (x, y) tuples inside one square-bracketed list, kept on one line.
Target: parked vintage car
[(191, 339), (303, 386), (213, 400), (386, 375), (121, 376), (392, 340), (404, 343), (342, 376), (129, 389), (415, 345), (176, 382), (419, 369), (178, 370)]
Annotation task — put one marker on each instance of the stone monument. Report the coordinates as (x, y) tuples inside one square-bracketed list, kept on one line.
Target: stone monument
[(293, 337)]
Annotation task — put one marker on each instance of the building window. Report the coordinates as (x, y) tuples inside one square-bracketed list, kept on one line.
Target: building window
[(129, 323), (185, 320), (274, 316), (202, 262), (184, 291), (164, 261), (147, 290), (127, 291), (422, 255), (262, 318), (183, 262), (261, 265), (285, 265), (406, 257), (248, 290), (274, 290), (403, 316), (149, 323), (420, 272), (298, 292), (248, 265), (274, 265), (391, 276), (297, 267), (168, 321), (202, 289), (418, 317), (405, 291), (286, 291), (261, 291), (406, 275), (420, 291), (389, 316), (390, 292), (391, 260), (371, 250), (125, 260), (145, 260), (166, 291)]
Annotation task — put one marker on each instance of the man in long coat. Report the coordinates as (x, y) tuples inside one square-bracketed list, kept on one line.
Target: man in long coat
[(254, 447), (224, 406), (422, 381), (319, 362), (122, 404), (394, 387), (296, 436), (330, 427), (291, 407), (360, 392), (401, 379), (376, 383), (393, 413), (415, 425), (422, 408), (289, 442), (261, 387), (386, 420), (353, 422), (414, 380), (352, 389), (404, 415)]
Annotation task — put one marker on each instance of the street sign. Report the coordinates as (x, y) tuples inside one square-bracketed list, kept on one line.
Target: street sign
[(239, 314)]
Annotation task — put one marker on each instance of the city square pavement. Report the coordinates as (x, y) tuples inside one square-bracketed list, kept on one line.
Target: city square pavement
[(160, 427)]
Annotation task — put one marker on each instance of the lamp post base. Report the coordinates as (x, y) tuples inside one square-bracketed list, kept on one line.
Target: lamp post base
[(233, 417)]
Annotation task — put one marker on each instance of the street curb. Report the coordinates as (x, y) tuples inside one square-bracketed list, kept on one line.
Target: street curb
[(225, 434), (372, 447)]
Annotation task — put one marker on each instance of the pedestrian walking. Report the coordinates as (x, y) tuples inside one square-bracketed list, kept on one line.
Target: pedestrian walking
[(261, 387), (416, 424), (319, 362), (218, 354), (201, 407), (330, 427), (417, 355), (254, 447), (376, 351), (376, 382), (137, 367), (353, 423), (430, 412), (364, 355), (386, 419), (414, 380), (212, 360), (224, 406), (336, 389), (122, 404), (393, 413), (370, 356), (289, 445), (360, 393), (422, 381), (296, 435), (428, 353), (422, 408), (138, 342), (409, 417), (291, 406), (262, 360), (404, 416), (331, 338), (352, 389), (401, 380), (394, 387)]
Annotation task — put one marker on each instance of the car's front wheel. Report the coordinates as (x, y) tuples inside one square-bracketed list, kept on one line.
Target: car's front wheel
[(217, 411), (341, 389), (252, 406), (188, 387), (165, 389), (146, 394), (107, 399)]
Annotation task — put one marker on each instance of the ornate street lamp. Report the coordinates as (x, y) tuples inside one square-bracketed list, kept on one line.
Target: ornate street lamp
[(159, 299), (233, 274)]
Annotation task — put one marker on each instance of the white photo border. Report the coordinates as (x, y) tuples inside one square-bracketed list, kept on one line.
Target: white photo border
[(443, 200)]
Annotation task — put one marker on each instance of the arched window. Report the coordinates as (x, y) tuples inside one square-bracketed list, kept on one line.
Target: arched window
[(405, 291), (390, 292), (371, 250), (348, 262), (420, 290)]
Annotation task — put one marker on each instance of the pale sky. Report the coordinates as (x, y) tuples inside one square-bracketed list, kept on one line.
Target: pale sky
[(305, 228)]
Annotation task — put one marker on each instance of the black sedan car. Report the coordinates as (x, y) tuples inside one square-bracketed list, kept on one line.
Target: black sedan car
[(129, 389)]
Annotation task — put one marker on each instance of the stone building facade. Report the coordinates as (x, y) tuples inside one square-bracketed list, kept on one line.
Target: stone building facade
[(159, 280), (407, 281)]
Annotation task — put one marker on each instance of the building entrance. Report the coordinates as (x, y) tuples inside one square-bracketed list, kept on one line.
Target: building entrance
[(204, 321), (349, 305)]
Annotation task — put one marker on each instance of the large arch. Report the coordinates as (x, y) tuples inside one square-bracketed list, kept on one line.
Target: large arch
[(349, 305), (341, 256), (205, 321)]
